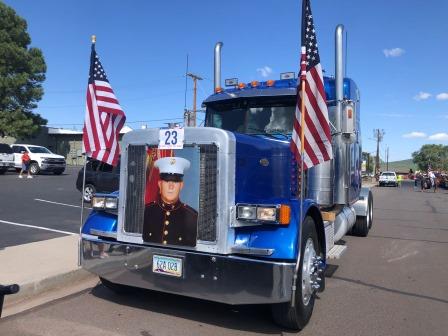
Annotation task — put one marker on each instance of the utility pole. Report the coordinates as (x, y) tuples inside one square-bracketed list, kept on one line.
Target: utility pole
[(378, 135), (192, 115), (387, 158), (368, 164)]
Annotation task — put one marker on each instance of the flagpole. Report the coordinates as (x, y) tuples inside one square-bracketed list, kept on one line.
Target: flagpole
[(93, 38), (302, 174)]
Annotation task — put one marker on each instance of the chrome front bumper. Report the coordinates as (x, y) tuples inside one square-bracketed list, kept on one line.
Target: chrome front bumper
[(226, 279)]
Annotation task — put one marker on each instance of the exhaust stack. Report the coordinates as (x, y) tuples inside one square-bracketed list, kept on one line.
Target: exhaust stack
[(217, 82)]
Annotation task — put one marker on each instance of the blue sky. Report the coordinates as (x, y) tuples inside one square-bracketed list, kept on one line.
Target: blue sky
[(396, 54)]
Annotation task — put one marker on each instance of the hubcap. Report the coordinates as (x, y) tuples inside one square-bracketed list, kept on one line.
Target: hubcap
[(312, 266), (88, 193)]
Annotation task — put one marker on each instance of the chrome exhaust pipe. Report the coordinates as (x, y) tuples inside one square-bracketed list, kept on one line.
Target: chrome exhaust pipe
[(339, 75), (217, 68)]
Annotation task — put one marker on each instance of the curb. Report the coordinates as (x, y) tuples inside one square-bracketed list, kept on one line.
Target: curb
[(33, 289)]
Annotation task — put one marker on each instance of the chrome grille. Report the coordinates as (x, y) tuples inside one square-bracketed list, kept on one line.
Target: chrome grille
[(207, 193), (135, 189)]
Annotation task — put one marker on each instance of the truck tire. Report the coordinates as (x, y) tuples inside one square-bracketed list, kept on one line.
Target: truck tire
[(116, 288), (3, 170), (364, 223), (34, 168), (297, 317)]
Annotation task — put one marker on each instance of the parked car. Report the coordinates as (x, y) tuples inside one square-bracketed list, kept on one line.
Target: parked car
[(42, 159), (6, 158), (100, 177), (388, 178)]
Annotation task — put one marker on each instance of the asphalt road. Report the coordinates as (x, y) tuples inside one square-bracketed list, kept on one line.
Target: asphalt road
[(30, 206), (394, 282)]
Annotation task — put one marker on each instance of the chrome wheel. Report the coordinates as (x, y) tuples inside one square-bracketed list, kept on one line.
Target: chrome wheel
[(89, 190), (309, 272), (34, 168)]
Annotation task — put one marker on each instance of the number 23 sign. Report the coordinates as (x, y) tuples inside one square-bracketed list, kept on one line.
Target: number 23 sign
[(172, 138)]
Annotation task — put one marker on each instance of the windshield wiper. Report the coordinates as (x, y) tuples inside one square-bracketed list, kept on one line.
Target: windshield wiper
[(272, 134), (279, 132)]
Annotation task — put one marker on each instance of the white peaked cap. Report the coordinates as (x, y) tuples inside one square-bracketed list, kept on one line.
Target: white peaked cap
[(172, 165)]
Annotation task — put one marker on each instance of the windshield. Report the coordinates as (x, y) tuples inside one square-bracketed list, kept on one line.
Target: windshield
[(388, 174), (39, 150), (253, 116)]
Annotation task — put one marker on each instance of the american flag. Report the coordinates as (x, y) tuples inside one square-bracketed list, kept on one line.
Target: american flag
[(317, 137), (104, 116)]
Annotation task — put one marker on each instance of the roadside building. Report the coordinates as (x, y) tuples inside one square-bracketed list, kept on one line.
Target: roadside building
[(66, 142)]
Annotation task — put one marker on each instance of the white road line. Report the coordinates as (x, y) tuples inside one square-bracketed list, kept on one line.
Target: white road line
[(69, 205), (38, 227), (403, 256)]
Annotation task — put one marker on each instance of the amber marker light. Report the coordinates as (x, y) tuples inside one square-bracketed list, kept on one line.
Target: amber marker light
[(350, 113), (285, 215), (254, 83), (270, 82), (218, 90), (241, 85)]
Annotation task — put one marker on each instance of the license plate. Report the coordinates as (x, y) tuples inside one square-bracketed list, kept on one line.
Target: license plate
[(167, 265)]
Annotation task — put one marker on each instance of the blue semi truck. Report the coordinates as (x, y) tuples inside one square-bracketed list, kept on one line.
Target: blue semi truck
[(242, 184)]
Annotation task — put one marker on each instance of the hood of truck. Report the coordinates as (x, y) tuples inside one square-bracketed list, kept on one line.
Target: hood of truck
[(264, 169), (46, 156)]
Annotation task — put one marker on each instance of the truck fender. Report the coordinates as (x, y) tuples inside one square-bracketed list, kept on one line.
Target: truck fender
[(314, 213), (361, 206)]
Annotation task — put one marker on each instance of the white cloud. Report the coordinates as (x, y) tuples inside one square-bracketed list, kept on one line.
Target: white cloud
[(422, 96), (394, 52), (414, 135), (439, 137), (264, 71), (442, 96)]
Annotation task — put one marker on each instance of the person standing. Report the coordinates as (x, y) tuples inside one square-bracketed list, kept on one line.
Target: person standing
[(399, 179), (432, 177), (25, 165)]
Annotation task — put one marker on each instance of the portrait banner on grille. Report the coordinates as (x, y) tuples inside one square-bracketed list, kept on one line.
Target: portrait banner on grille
[(171, 212)]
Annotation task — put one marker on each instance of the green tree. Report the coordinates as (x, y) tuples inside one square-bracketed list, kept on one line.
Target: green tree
[(369, 161), (435, 156), (22, 71)]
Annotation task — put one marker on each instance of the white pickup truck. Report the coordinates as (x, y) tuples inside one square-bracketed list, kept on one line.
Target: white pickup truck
[(42, 159), (388, 178), (6, 158)]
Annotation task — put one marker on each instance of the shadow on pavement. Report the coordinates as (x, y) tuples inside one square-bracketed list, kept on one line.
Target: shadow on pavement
[(250, 318)]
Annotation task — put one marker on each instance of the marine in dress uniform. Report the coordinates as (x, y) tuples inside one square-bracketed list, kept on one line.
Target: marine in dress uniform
[(168, 221)]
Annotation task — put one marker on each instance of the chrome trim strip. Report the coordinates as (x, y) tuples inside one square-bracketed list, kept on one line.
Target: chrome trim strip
[(252, 251), (102, 233)]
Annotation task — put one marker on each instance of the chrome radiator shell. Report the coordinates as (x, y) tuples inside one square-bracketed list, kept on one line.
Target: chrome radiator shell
[(217, 149)]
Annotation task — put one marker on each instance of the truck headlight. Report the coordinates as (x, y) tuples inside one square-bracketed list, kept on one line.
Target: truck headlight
[(247, 212), (104, 203), (269, 214)]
